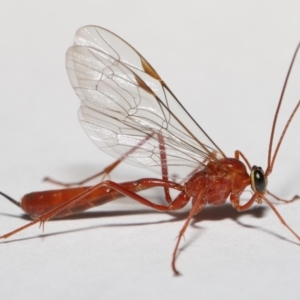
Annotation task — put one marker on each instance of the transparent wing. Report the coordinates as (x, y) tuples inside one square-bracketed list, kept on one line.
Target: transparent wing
[(126, 105)]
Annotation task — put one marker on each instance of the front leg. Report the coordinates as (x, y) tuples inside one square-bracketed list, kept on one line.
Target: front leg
[(235, 201), (296, 197), (258, 197)]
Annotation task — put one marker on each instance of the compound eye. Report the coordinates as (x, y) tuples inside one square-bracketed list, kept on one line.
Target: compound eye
[(258, 179)]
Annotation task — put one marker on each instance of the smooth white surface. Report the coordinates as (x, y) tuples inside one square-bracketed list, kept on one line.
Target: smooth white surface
[(226, 61)]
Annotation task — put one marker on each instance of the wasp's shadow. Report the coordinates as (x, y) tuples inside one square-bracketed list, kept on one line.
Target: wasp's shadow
[(209, 213)]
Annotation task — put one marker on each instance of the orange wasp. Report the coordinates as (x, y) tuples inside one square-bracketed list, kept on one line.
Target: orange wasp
[(129, 112)]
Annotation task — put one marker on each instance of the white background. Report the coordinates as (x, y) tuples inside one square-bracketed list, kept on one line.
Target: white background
[(226, 61)]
